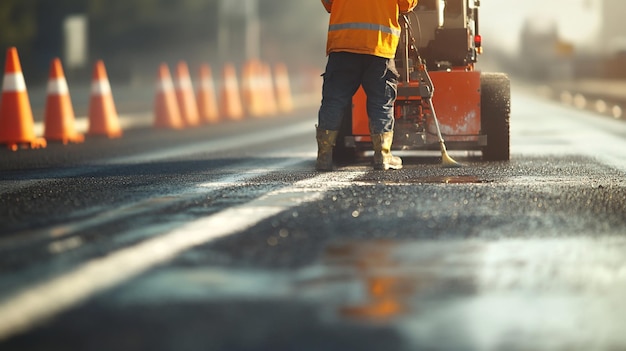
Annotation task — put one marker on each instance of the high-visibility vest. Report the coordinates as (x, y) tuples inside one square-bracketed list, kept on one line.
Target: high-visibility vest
[(365, 26)]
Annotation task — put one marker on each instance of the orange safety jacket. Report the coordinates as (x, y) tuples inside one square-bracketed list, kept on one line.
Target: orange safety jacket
[(365, 26)]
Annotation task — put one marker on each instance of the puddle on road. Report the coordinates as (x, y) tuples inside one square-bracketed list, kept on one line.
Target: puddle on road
[(375, 281), (430, 180), (392, 275), (362, 279), (537, 294), (384, 293)]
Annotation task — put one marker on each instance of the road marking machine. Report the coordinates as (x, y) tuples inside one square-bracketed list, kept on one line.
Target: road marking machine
[(436, 58)]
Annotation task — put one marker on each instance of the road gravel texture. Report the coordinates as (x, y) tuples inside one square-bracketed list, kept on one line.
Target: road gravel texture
[(254, 250)]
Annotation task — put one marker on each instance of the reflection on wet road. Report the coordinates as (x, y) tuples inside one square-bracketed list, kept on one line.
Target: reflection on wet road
[(526, 294)]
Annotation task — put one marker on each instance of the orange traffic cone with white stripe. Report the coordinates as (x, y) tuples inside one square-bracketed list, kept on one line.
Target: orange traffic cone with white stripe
[(59, 116), (283, 88), (167, 114), (268, 90), (251, 89), (230, 98), (185, 96), (17, 127), (103, 118), (207, 101)]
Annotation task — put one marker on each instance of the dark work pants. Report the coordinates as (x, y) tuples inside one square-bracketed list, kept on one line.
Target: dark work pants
[(345, 72)]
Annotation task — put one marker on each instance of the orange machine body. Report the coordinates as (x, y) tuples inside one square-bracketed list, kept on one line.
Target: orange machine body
[(457, 102)]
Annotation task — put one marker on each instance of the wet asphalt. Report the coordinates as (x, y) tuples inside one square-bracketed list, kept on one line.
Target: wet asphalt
[(225, 238)]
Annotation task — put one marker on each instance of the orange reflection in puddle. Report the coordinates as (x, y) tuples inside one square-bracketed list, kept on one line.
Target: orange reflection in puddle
[(384, 303), (387, 289)]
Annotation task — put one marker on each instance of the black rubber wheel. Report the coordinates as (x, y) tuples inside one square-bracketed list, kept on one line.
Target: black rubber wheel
[(343, 154), (495, 102)]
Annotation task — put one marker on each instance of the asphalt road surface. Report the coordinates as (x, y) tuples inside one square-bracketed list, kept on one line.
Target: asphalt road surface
[(225, 238)]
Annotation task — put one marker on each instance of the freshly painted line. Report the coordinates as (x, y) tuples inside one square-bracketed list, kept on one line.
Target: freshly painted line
[(60, 232), (42, 301)]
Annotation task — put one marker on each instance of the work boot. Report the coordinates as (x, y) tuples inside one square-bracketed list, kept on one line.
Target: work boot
[(325, 143), (383, 159)]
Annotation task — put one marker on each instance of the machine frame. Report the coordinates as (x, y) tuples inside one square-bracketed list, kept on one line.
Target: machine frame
[(436, 57)]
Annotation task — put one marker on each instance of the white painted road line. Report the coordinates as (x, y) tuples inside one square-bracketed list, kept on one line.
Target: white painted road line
[(243, 172), (244, 141), (37, 303)]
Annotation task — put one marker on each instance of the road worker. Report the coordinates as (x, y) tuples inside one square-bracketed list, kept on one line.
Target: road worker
[(362, 39)]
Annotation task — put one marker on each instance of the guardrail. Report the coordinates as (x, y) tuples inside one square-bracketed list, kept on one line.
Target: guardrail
[(605, 97)]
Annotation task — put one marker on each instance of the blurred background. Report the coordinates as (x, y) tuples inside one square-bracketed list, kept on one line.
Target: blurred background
[(134, 36), (557, 39), (532, 39)]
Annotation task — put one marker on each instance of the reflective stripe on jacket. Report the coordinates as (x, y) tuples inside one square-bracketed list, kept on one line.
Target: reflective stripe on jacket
[(365, 26)]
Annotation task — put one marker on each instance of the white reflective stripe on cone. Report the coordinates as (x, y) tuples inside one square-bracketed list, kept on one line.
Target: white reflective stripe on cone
[(14, 82), (207, 84), (183, 84), (165, 85), (100, 87), (230, 83), (58, 86)]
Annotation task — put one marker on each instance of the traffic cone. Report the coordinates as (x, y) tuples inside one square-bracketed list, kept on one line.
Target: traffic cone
[(185, 96), (103, 118), (17, 127), (207, 101), (251, 89), (269, 97), (283, 88), (59, 116), (166, 112), (230, 99)]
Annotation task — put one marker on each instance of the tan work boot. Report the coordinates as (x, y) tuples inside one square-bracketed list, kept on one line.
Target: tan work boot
[(383, 159), (325, 144)]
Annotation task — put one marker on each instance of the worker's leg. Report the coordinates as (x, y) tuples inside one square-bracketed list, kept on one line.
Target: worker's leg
[(341, 80), (380, 83)]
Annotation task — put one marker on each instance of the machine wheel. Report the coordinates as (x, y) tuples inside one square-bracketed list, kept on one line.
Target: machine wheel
[(495, 102), (341, 153)]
